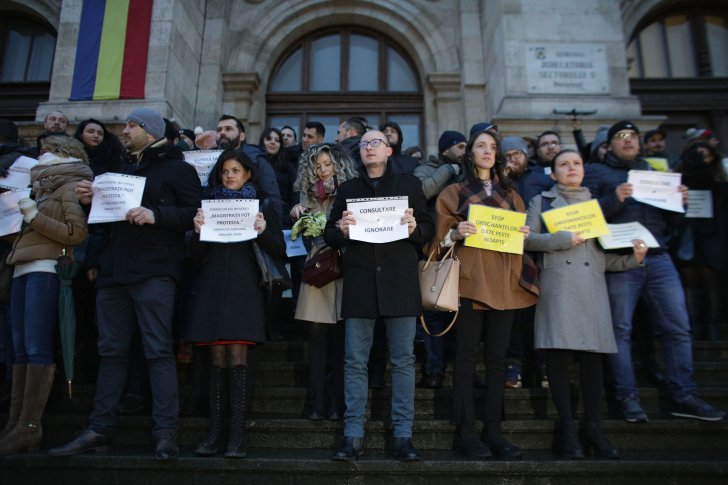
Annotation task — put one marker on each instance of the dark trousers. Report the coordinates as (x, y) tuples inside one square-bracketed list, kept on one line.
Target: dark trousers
[(590, 372), (150, 306), (470, 327)]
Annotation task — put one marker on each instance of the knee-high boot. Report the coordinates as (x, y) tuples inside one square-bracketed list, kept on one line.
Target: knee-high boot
[(28, 433), (236, 443), (214, 439), (16, 398)]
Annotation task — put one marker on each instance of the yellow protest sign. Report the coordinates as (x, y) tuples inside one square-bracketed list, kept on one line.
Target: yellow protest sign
[(658, 163), (497, 229), (585, 218)]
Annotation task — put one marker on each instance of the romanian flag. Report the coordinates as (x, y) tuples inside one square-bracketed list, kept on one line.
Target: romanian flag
[(111, 56)]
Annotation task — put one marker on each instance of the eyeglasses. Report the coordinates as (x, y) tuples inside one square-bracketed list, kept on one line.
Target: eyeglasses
[(517, 155), (374, 143), (626, 135), (550, 144)]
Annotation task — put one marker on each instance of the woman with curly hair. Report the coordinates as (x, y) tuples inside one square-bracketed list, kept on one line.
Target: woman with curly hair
[(53, 222), (322, 168), (104, 150)]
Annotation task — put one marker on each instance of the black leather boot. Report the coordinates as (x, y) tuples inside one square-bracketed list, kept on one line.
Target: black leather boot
[(213, 441), (467, 443), (498, 445), (566, 441), (596, 440), (236, 443)]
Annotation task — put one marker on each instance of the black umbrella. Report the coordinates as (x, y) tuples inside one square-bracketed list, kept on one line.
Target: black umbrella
[(66, 269)]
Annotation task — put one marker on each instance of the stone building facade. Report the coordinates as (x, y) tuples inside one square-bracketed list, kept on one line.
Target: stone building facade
[(519, 63)]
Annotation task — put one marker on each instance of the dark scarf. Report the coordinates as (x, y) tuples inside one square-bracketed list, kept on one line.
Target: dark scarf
[(637, 164), (247, 191), (500, 198)]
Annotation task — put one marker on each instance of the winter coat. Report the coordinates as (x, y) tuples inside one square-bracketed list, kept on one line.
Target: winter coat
[(60, 222), (132, 253), (319, 305), (573, 311), (228, 303), (602, 180), (266, 177), (436, 174), (381, 280), (493, 280), (533, 181)]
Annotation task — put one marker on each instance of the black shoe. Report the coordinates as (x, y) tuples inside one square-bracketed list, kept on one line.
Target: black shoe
[(566, 441), (403, 450), (471, 447), (499, 446), (335, 416), (598, 443), (349, 449), (87, 441), (314, 415), (167, 448), (695, 408)]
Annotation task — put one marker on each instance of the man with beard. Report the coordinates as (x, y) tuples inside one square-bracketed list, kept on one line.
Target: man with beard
[(529, 178), (231, 134), (138, 272), (657, 281), (442, 169), (401, 163), (55, 122), (380, 281)]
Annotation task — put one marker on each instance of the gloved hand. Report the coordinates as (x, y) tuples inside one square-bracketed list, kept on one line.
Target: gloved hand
[(28, 208)]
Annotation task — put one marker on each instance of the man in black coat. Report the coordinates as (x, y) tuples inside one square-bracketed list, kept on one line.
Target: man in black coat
[(137, 271), (380, 281)]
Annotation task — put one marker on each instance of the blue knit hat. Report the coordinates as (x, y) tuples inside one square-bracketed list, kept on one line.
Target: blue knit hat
[(449, 139)]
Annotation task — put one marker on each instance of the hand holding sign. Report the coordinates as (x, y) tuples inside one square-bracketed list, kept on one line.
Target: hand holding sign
[(497, 229), (378, 219)]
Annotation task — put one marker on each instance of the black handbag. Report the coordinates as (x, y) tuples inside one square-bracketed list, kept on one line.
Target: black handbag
[(274, 276)]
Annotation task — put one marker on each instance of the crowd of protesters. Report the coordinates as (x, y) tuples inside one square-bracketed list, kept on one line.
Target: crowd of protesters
[(156, 282)]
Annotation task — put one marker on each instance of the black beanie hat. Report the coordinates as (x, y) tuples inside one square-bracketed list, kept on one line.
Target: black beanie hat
[(619, 126)]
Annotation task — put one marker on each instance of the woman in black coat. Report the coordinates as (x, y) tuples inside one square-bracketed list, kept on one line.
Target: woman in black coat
[(104, 150), (227, 312)]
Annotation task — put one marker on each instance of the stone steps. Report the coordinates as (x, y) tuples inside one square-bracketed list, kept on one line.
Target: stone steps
[(266, 466)]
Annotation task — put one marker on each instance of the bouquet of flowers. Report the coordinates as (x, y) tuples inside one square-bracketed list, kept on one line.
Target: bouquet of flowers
[(310, 225)]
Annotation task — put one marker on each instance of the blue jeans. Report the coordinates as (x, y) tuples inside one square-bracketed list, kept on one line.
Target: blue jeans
[(658, 282), (434, 346), (148, 304), (400, 340), (34, 317)]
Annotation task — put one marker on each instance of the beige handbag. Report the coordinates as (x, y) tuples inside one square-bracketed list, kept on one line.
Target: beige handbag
[(439, 282)]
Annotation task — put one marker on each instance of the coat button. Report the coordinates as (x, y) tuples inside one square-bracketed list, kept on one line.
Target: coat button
[(568, 261), (379, 268), (586, 264)]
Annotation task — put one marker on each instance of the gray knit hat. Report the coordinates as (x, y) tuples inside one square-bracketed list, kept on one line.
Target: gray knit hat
[(599, 138), (151, 121), (511, 143)]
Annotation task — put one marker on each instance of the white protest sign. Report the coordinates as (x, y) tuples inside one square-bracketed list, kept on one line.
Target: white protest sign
[(114, 195), (700, 204), (621, 236), (658, 189), (10, 218), (19, 174), (294, 248), (378, 219), (202, 161), (229, 220)]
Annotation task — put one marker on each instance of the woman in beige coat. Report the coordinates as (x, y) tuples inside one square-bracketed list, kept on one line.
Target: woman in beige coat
[(53, 221), (321, 169), (573, 316)]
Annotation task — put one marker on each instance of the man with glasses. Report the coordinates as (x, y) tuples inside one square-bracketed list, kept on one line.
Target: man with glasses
[(656, 282), (380, 281), (548, 144), (530, 179)]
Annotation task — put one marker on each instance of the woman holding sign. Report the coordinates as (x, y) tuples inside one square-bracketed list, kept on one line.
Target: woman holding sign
[(227, 311), (322, 169), (572, 285), (53, 221), (493, 285)]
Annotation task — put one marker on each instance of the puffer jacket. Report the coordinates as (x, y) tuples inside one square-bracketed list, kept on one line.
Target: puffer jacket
[(61, 222)]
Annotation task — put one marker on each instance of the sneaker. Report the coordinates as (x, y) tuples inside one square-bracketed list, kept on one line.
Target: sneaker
[(695, 408), (513, 376), (631, 410)]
